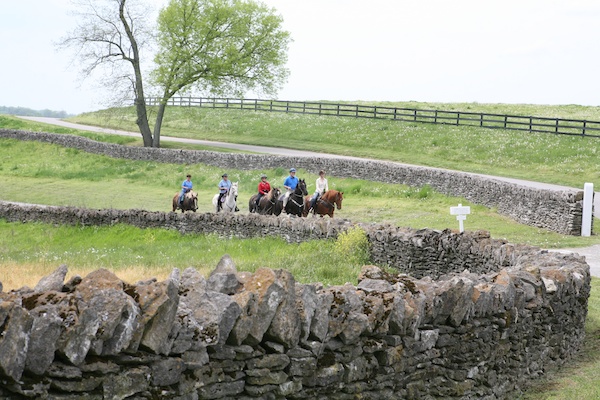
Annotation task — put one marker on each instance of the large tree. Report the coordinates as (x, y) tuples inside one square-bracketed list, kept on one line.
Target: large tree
[(224, 47)]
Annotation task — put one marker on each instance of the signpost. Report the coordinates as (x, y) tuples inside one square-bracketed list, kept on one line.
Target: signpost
[(588, 202), (461, 215)]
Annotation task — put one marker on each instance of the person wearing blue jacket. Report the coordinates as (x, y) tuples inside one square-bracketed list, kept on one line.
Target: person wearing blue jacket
[(186, 186), (289, 184), (224, 187)]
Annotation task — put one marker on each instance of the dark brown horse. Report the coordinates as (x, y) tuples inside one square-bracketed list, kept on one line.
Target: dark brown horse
[(326, 204), (266, 203), (190, 202)]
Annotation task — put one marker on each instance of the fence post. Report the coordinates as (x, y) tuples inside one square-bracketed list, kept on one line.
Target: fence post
[(415, 114), (457, 118), (481, 120), (584, 126), (530, 122), (588, 201)]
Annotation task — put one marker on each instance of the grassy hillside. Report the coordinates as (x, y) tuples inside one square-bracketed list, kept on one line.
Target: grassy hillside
[(558, 159)]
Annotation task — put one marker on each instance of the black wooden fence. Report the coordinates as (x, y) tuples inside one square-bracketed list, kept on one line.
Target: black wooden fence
[(493, 121)]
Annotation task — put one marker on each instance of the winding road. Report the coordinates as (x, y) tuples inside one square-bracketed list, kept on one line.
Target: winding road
[(591, 253)]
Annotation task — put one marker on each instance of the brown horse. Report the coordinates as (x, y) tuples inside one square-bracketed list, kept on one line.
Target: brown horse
[(266, 204), (190, 202), (326, 204)]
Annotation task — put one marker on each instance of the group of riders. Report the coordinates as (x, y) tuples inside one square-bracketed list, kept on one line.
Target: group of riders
[(264, 187)]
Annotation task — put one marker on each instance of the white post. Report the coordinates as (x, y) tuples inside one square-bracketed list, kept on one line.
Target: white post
[(461, 215), (586, 218)]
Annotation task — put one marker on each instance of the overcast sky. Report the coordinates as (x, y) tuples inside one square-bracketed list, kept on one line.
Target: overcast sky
[(486, 51)]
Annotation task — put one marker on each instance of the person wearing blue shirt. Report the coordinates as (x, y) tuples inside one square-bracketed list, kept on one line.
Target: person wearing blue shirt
[(186, 186), (289, 184), (224, 187)]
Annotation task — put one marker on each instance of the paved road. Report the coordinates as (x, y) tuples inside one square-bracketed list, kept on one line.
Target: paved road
[(591, 253)]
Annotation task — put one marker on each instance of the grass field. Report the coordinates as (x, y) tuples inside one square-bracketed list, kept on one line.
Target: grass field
[(558, 159), (48, 174)]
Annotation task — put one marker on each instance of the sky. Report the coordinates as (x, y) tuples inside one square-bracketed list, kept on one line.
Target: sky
[(492, 51)]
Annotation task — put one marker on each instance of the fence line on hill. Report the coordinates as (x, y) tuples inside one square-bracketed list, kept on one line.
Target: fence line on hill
[(561, 126)]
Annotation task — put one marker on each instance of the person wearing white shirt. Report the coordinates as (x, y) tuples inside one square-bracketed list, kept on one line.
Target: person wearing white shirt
[(321, 187)]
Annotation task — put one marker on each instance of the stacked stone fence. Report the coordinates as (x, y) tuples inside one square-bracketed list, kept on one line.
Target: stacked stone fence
[(466, 317), (559, 211)]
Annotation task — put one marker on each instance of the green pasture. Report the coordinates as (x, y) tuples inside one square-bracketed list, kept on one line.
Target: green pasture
[(49, 174), (543, 157)]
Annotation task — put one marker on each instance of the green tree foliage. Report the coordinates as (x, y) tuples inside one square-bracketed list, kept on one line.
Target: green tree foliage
[(224, 47)]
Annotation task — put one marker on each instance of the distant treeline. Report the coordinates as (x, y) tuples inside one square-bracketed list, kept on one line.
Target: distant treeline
[(28, 112)]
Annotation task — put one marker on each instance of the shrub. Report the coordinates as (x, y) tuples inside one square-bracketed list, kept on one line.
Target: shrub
[(353, 246)]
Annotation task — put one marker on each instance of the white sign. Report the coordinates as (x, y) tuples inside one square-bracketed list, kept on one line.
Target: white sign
[(588, 207), (461, 215)]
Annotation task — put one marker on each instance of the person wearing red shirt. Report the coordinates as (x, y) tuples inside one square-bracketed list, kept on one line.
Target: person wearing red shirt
[(263, 188)]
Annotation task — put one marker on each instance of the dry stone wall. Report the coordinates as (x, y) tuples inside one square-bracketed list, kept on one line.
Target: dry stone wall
[(559, 211), (465, 317)]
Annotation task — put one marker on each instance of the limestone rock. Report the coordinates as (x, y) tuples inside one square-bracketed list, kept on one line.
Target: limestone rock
[(46, 329), (16, 324), (284, 326), (269, 294), (54, 281)]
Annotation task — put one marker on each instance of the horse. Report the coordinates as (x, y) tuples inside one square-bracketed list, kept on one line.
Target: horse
[(229, 200), (295, 204), (326, 204), (266, 203), (190, 202)]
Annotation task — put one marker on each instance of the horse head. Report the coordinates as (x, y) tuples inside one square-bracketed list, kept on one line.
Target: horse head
[(338, 200), (190, 201), (233, 191), (302, 187), (275, 192)]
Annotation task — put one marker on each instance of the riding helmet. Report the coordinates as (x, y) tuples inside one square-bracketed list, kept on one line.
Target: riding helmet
[(263, 176), (293, 170)]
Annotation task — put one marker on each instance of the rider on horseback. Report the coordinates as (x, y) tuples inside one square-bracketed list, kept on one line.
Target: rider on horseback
[(186, 186), (263, 188), (290, 184), (320, 189), (224, 187)]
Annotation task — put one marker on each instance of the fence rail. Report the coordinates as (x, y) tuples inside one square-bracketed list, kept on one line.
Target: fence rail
[(558, 126)]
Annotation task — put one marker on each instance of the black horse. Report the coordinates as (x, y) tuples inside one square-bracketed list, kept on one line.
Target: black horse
[(295, 204)]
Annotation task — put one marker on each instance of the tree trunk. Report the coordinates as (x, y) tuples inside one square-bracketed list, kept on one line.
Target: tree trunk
[(158, 124), (142, 122), (140, 100)]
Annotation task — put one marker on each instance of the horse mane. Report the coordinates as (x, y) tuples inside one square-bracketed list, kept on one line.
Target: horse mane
[(330, 195)]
